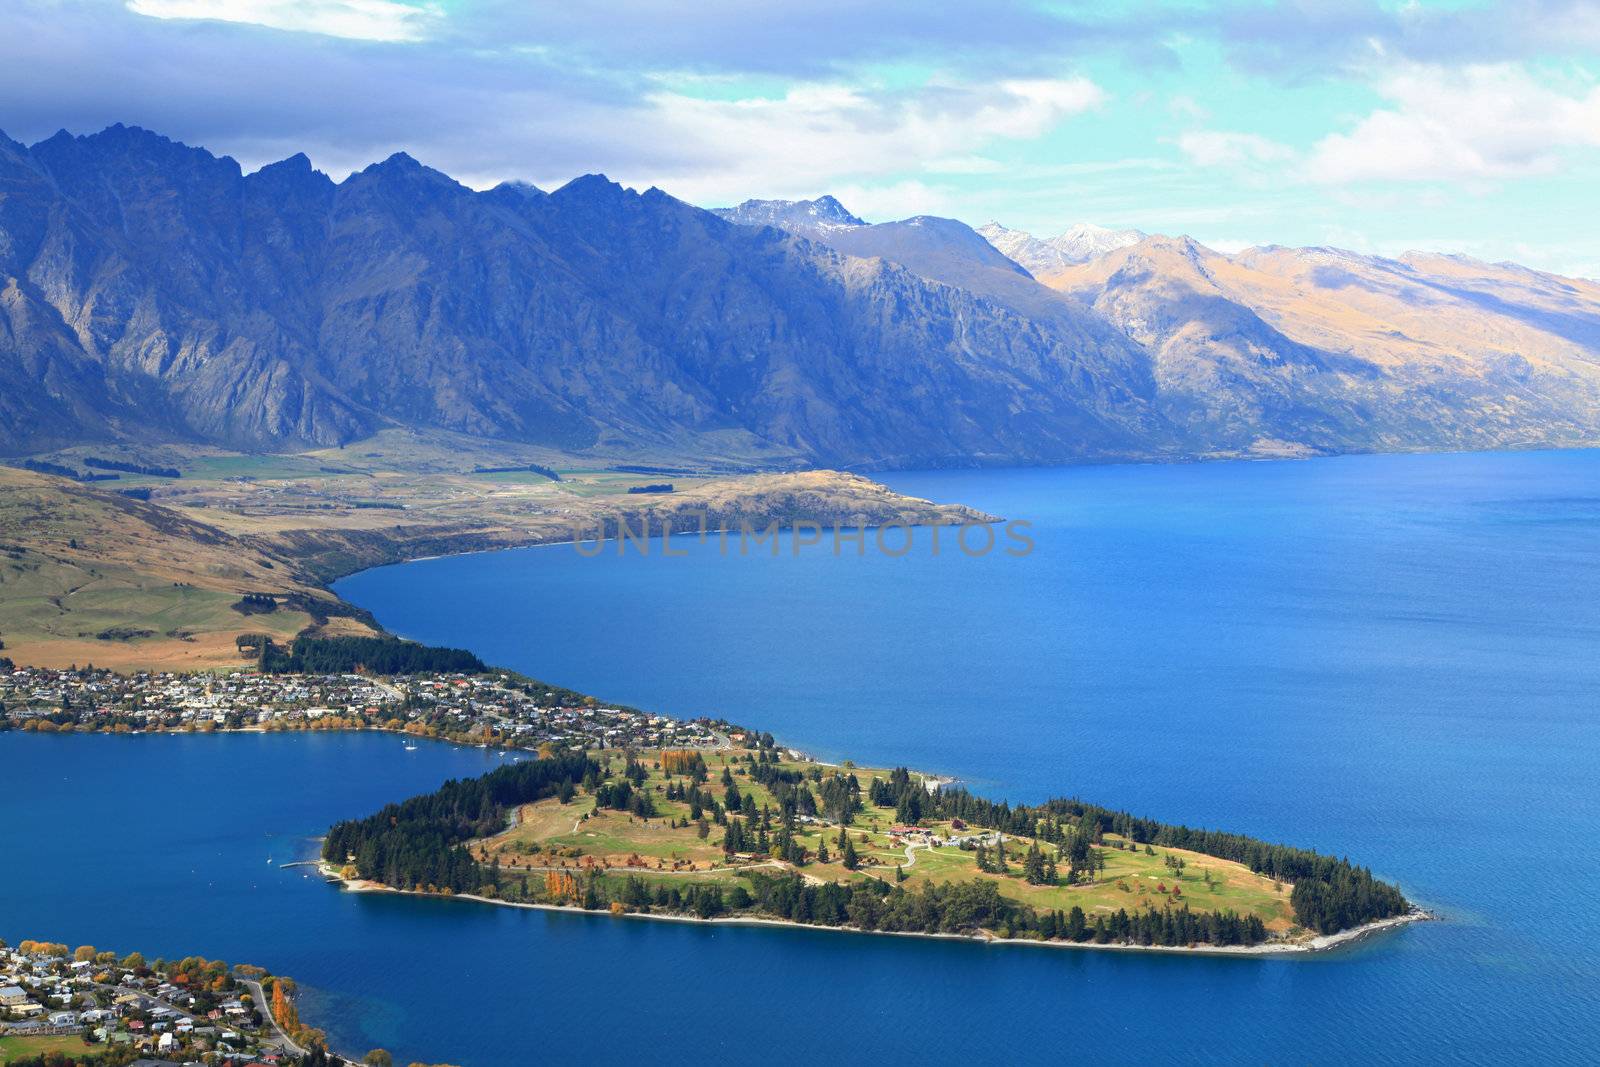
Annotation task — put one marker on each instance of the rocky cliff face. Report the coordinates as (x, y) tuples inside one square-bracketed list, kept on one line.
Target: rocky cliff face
[(152, 289), (149, 290)]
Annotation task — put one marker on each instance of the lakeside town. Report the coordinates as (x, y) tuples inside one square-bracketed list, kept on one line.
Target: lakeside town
[(59, 1004), (495, 709)]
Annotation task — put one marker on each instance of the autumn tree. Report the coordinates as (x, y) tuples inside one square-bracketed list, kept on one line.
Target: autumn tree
[(283, 1009)]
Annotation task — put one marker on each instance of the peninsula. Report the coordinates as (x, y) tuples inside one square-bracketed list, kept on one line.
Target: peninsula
[(618, 810), (193, 572), (755, 832)]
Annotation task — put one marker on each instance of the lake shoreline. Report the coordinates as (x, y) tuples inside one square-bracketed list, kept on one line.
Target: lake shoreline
[(1318, 944)]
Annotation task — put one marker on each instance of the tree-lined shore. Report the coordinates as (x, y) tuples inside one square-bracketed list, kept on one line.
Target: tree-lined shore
[(813, 845)]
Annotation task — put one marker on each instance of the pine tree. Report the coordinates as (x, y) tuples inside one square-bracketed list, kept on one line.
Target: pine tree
[(1036, 869)]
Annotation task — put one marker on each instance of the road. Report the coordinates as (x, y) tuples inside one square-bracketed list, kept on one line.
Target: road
[(264, 1007), (911, 859)]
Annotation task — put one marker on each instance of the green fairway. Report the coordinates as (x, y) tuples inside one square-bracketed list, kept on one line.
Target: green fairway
[(668, 847)]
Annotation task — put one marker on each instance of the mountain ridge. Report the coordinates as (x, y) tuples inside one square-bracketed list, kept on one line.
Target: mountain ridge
[(153, 291)]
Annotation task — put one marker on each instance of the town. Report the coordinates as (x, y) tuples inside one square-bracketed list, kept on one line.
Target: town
[(61, 1005), (494, 709)]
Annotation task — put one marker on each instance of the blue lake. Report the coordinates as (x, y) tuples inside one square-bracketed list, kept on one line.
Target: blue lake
[(1394, 657)]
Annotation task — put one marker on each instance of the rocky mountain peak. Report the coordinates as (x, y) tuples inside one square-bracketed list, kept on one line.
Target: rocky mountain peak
[(521, 189), (825, 213), (592, 188)]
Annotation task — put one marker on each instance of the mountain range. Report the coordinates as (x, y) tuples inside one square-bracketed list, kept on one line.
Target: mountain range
[(153, 292)]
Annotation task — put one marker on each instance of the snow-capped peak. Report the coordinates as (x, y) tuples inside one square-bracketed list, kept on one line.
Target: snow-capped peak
[(1079, 244), (1086, 241)]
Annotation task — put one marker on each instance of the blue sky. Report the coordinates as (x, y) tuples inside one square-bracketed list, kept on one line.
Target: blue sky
[(1456, 126)]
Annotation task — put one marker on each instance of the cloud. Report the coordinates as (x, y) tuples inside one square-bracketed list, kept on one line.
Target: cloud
[(815, 41), (366, 20), (1187, 107), (261, 96), (1229, 246), (823, 39), (1309, 39), (1228, 148), (816, 135), (895, 200), (1474, 123), (487, 114), (965, 165)]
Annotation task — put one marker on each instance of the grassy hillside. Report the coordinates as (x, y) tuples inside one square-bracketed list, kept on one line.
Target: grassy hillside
[(89, 576), (400, 495), (579, 836)]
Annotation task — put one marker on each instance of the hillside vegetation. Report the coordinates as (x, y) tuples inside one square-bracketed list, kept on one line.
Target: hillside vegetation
[(763, 833)]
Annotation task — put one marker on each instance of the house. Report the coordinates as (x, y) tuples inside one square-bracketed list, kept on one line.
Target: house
[(11, 996), (43, 1028), (32, 1028)]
